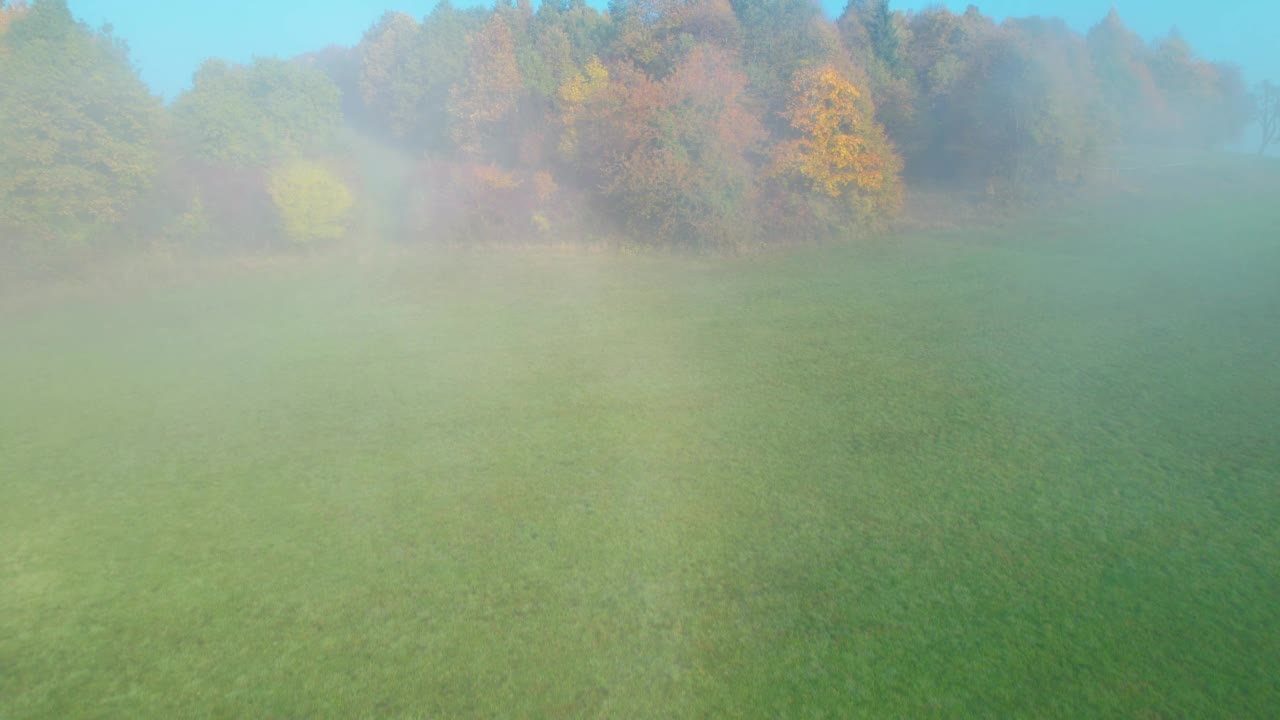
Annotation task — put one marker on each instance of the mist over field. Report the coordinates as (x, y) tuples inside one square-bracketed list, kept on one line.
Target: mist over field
[(691, 358)]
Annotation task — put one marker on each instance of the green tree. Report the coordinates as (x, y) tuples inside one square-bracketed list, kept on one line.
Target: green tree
[(883, 37), (546, 62), (1027, 112), (780, 38), (257, 114), (939, 50), (588, 30), (480, 105), (79, 142), (1135, 106), (392, 73), (872, 33), (407, 69)]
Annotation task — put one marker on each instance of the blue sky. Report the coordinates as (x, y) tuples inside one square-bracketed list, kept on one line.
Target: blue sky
[(170, 39)]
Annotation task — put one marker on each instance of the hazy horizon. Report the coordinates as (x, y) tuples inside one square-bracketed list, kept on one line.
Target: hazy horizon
[(169, 41)]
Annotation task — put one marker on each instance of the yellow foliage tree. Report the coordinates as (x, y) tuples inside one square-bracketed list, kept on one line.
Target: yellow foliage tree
[(313, 203), (840, 150), (574, 93)]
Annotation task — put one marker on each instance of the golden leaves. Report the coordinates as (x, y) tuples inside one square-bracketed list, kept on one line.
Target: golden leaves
[(574, 93), (834, 151)]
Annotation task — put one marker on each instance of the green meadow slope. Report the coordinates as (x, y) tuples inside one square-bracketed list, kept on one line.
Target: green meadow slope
[(1030, 471)]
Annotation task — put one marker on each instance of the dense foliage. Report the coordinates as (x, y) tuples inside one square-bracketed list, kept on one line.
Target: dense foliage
[(79, 133), (675, 122), (256, 114), (312, 202)]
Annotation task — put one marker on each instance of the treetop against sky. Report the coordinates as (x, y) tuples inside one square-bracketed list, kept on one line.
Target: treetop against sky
[(169, 40)]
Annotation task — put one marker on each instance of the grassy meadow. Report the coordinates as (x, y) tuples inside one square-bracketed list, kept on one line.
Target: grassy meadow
[(1023, 471)]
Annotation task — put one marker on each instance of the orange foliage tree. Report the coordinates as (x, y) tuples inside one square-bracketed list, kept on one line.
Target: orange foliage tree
[(605, 116), (839, 151), (687, 177)]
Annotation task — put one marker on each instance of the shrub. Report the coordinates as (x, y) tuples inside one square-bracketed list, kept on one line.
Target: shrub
[(313, 203)]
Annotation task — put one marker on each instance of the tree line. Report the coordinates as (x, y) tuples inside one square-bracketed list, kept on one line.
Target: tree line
[(673, 122)]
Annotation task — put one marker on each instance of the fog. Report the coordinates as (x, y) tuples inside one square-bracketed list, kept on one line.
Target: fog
[(679, 358)]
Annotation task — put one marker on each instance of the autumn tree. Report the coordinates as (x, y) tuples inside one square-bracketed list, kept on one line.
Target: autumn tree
[(654, 35), (80, 142), (575, 92), (544, 60), (689, 179), (697, 121), (837, 150), (872, 34), (638, 30), (606, 114), (708, 22), (482, 103)]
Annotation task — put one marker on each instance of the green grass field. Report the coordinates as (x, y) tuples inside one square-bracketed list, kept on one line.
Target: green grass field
[(1032, 471)]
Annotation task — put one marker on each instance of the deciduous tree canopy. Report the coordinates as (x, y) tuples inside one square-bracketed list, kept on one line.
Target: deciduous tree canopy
[(257, 114), (699, 122), (80, 131)]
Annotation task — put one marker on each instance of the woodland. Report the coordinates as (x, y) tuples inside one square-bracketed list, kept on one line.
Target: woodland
[(687, 123)]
